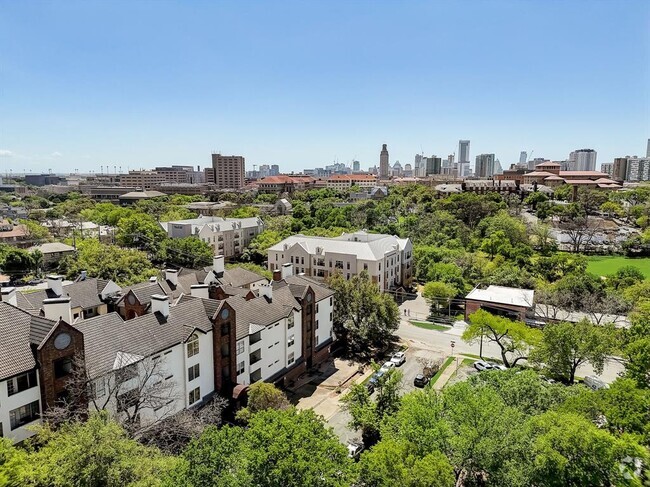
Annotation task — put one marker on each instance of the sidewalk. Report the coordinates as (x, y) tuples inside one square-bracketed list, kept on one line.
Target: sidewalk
[(448, 372)]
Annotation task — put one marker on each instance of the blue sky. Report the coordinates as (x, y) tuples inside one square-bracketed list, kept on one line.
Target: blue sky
[(300, 84)]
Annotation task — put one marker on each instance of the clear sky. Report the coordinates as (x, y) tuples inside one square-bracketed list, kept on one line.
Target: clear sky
[(301, 84)]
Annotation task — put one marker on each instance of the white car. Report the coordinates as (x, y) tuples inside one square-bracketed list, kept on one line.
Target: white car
[(398, 359), (387, 366), (498, 366), (482, 365), (354, 449)]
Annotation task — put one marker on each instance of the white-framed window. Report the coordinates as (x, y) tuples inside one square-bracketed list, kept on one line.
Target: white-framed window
[(240, 347), (24, 414), (290, 358), (291, 340), (193, 372), (21, 383), (195, 395), (241, 366), (193, 346), (290, 321)]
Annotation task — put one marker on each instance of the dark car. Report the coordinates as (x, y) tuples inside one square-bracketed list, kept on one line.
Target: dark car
[(420, 380), (372, 383)]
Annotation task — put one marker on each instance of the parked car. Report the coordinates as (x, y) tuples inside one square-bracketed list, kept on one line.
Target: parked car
[(548, 380), (387, 366), (420, 380), (398, 359), (498, 366), (354, 449), (595, 383), (372, 383), (482, 365)]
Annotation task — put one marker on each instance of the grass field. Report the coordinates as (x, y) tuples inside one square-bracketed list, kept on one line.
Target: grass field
[(430, 326), (604, 265)]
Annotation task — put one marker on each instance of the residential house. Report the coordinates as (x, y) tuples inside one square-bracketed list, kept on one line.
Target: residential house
[(53, 253)]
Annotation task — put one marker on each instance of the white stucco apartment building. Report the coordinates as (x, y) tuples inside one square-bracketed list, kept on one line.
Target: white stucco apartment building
[(387, 259), (227, 236)]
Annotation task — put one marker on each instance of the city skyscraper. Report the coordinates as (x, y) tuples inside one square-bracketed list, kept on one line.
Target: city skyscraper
[(229, 171), (583, 160), (356, 166), (463, 157), (647, 151), (484, 165), (434, 165), (383, 162), (523, 157)]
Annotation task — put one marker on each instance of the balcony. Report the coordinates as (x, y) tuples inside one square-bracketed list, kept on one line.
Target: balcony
[(255, 337), (255, 376)]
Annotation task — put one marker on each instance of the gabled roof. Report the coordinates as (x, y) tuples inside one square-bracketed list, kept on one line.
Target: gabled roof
[(320, 290), (83, 294), (108, 337), (143, 291), (52, 248), (239, 277), (19, 330)]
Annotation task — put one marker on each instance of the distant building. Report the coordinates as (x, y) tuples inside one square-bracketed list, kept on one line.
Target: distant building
[(53, 252), (396, 169), (383, 162), (387, 259), (583, 160), (638, 169), (227, 236), (523, 157), (285, 184), (647, 151), (619, 169), (275, 170), (607, 168), (135, 196), (41, 179), (356, 166), (485, 165), (343, 181), (513, 303), (463, 157), (229, 171), (433, 166)]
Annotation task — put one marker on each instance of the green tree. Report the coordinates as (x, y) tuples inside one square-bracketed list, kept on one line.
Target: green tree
[(15, 261), (364, 317), (174, 213), (438, 293), (612, 208), (141, 231), (566, 346), (189, 252), (514, 338), (96, 452), (625, 277), (391, 463), (244, 212), (36, 232), (627, 409), (262, 396), (14, 466)]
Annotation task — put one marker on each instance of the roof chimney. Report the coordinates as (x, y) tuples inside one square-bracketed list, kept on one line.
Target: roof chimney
[(266, 290), (160, 304), (171, 275), (58, 308), (277, 275), (200, 290), (218, 265), (83, 276), (287, 270), (153, 279), (55, 283), (8, 295)]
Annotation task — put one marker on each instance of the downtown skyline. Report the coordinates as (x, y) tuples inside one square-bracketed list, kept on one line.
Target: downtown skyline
[(126, 84)]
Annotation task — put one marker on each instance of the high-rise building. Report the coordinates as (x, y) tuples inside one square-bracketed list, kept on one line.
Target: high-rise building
[(275, 170), (228, 171), (484, 165), (638, 169), (433, 166), (463, 157), (397, 169), (583, 160), (607, 168), (619, 169), (356, 166), (523, 157), (383, 162), (647, 151)]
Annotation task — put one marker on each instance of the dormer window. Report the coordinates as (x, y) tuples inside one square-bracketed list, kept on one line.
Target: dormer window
[(193, 345)]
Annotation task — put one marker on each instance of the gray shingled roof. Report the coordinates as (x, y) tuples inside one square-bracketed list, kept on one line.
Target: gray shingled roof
[(143, 291), (106, 336), (239, 277), (320, 290), (83, 294), (18, 329)]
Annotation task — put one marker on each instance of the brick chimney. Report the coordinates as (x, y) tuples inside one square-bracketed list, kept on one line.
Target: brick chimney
[(277, 275)]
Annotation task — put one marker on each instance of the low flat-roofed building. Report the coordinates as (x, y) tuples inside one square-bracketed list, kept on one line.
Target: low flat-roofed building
[(514, 303)]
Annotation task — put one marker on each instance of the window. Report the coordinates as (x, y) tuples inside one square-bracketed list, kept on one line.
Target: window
[(290, 358), (21, 383), (348, 265), (195, 395), (291, 341), (290, 321), (225, 329), (331, 301), (317, 324), (365, 267), (316, 307), (24, 414), (302, 261), (128, 399), (240, 347), (240, 368), (193, 372), (338, 264), (62, 367), (193, 346), (330, 316)]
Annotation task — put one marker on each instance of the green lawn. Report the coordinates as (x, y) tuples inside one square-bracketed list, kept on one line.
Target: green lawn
[(430, 326), (603, 265)]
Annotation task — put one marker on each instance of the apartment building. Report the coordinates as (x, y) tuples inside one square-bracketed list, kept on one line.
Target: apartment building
[(229, 171), (387, 259), (285, 184), (227, 236), (344, 181)]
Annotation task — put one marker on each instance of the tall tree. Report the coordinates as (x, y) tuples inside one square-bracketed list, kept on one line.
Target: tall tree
[(514, 338), (364, 317), (566, 346)]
